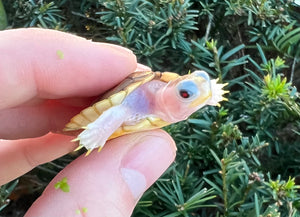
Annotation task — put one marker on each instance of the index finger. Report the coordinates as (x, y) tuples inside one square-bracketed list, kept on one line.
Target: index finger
[(51, 64)]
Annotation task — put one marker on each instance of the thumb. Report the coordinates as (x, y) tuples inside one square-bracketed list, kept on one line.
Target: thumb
[(111, 182)]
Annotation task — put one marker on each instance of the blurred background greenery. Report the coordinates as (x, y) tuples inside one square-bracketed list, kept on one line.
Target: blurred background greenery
[(242, 159)]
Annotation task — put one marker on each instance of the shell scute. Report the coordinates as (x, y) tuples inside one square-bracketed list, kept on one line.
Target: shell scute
[(80, 120), (117, 98), (102, 106), (168, 76), (71, 126), (132, 87), (90, 113)]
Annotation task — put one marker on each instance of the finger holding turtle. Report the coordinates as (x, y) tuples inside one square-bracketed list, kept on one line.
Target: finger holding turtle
[(40, 91)]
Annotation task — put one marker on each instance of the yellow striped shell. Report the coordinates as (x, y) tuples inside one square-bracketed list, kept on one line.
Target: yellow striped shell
[(116, 97)]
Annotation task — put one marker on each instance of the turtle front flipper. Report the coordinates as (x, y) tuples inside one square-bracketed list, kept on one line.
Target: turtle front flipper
[(97, 132)]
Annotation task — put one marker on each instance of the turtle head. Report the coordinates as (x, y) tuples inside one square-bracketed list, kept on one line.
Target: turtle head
[(187, 94)]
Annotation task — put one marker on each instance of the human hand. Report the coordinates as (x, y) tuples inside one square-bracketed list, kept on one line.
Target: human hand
[(47, 77)]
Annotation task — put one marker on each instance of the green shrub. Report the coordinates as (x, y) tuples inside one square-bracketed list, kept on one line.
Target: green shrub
[(241, 159)]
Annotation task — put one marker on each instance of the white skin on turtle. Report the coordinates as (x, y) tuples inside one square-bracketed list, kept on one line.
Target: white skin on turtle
[(172, 102)]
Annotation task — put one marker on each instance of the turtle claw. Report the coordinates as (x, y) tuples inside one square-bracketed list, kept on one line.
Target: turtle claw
[(88, 152), (75, 140), (78, 148)]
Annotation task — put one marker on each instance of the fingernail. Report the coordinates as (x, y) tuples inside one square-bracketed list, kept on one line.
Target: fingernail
[(145, 162), (141, 67), (135, 180)]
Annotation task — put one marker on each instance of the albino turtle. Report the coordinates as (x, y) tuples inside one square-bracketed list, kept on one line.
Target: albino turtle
[(144, 101)]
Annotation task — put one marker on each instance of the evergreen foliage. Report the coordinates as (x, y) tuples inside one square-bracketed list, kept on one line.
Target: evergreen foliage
[(242, 159)]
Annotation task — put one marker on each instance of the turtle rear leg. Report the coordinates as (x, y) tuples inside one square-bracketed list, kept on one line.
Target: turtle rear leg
[(97, 132)]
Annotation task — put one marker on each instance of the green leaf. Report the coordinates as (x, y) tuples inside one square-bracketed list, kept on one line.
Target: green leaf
[(3, 19), (215, 187), (232, 52), (287, 39), (216, 157), (257, 208), (262, 54)]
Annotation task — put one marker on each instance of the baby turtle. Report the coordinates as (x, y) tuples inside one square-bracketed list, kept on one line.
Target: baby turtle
[(144, 101)]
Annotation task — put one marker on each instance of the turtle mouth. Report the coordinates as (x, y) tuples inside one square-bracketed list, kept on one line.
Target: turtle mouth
[(201, 100)]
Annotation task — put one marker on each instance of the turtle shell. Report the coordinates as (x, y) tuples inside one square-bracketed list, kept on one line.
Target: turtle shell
[(116, 97)]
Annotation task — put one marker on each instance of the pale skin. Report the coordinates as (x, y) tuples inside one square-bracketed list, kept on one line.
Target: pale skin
[(46, 78)]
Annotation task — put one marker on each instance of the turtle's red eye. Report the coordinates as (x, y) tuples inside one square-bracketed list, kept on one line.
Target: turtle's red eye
[(187, 90), (184, 94)]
